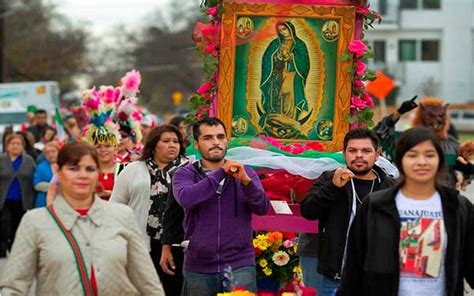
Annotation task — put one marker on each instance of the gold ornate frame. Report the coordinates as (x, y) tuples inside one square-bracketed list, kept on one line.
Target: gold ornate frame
[(346, 17)]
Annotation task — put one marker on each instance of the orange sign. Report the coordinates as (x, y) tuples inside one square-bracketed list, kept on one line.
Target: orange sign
[(381, 86), (177, 98), (41, 90)]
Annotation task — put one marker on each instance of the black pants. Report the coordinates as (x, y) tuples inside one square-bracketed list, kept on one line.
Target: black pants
[(172, 284), (10, 218)]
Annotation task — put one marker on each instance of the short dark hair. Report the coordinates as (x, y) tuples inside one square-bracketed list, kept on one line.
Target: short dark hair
[(72, 153), (412, 137), (176, 120), (41, 111), (210, 121), (155, 135), (46, 129), (361, 133)]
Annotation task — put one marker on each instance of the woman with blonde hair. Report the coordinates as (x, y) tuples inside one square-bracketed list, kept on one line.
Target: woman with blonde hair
[(81, 244), (44, 172)]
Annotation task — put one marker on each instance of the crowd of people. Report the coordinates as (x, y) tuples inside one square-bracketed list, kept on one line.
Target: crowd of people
[(122, 210)]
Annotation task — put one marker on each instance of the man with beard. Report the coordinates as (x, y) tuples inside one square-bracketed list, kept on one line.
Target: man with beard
[(334, 198), (41, 119), (218, 196)]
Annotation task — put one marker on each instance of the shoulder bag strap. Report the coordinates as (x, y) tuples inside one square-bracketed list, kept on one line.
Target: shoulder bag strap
[(80, 264)]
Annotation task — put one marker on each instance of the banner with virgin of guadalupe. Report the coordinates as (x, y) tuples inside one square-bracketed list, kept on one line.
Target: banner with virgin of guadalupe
[(280, 72)]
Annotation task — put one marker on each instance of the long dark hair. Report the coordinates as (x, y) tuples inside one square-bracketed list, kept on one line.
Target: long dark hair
[(412, 137), (155, 135)]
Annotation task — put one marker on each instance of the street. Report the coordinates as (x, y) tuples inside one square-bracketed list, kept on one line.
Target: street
[(469, 193)]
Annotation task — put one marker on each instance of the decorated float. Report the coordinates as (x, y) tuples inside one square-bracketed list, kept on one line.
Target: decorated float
[(287, 78)]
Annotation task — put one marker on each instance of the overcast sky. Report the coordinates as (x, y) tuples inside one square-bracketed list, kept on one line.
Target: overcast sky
[(102, 15)]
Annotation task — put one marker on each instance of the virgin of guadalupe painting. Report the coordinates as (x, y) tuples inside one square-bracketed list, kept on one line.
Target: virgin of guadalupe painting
[(285, 69), (283, 78)]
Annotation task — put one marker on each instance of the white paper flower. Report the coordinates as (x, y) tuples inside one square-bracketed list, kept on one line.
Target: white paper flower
[(281, 258)]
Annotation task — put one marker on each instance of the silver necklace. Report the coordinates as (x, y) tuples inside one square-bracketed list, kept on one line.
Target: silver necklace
[(371, 189)]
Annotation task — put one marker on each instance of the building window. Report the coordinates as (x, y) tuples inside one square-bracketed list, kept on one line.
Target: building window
[(422, 4), (407, 50), (379, 51), (430, 50), (431, 4), (408, 4), (382, 7)]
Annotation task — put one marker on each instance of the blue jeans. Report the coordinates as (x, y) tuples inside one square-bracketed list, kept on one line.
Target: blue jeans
[(209, 284), (311, 278)]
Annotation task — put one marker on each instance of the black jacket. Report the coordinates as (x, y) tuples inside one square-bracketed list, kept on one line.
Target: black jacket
[(173, 231), (332, 206), (173, 217), (372, 264)]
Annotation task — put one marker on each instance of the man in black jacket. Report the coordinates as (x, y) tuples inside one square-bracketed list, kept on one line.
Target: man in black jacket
[(335, 196)]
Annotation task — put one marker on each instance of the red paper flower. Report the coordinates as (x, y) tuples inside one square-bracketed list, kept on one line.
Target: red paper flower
[(313, 145), (289, 235)]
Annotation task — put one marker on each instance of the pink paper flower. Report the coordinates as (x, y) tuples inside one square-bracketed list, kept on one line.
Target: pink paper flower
[(137, 116), (297, 148), (211, 32), (288, 243), (356, 102), (126, 107), (212, 11), (358, 83), (254, 143), (204, 88), (197, 32), (210, 48), (109, 94), (92, 104), (368, 100), (362, 10), (130, 83), (357, 47), (360, 68), (87, 94)]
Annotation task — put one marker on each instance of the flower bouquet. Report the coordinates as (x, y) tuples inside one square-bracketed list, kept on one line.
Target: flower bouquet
[(237, 292), (276, 259)]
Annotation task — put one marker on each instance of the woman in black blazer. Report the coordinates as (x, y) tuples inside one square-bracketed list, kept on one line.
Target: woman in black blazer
[(16, 188)]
